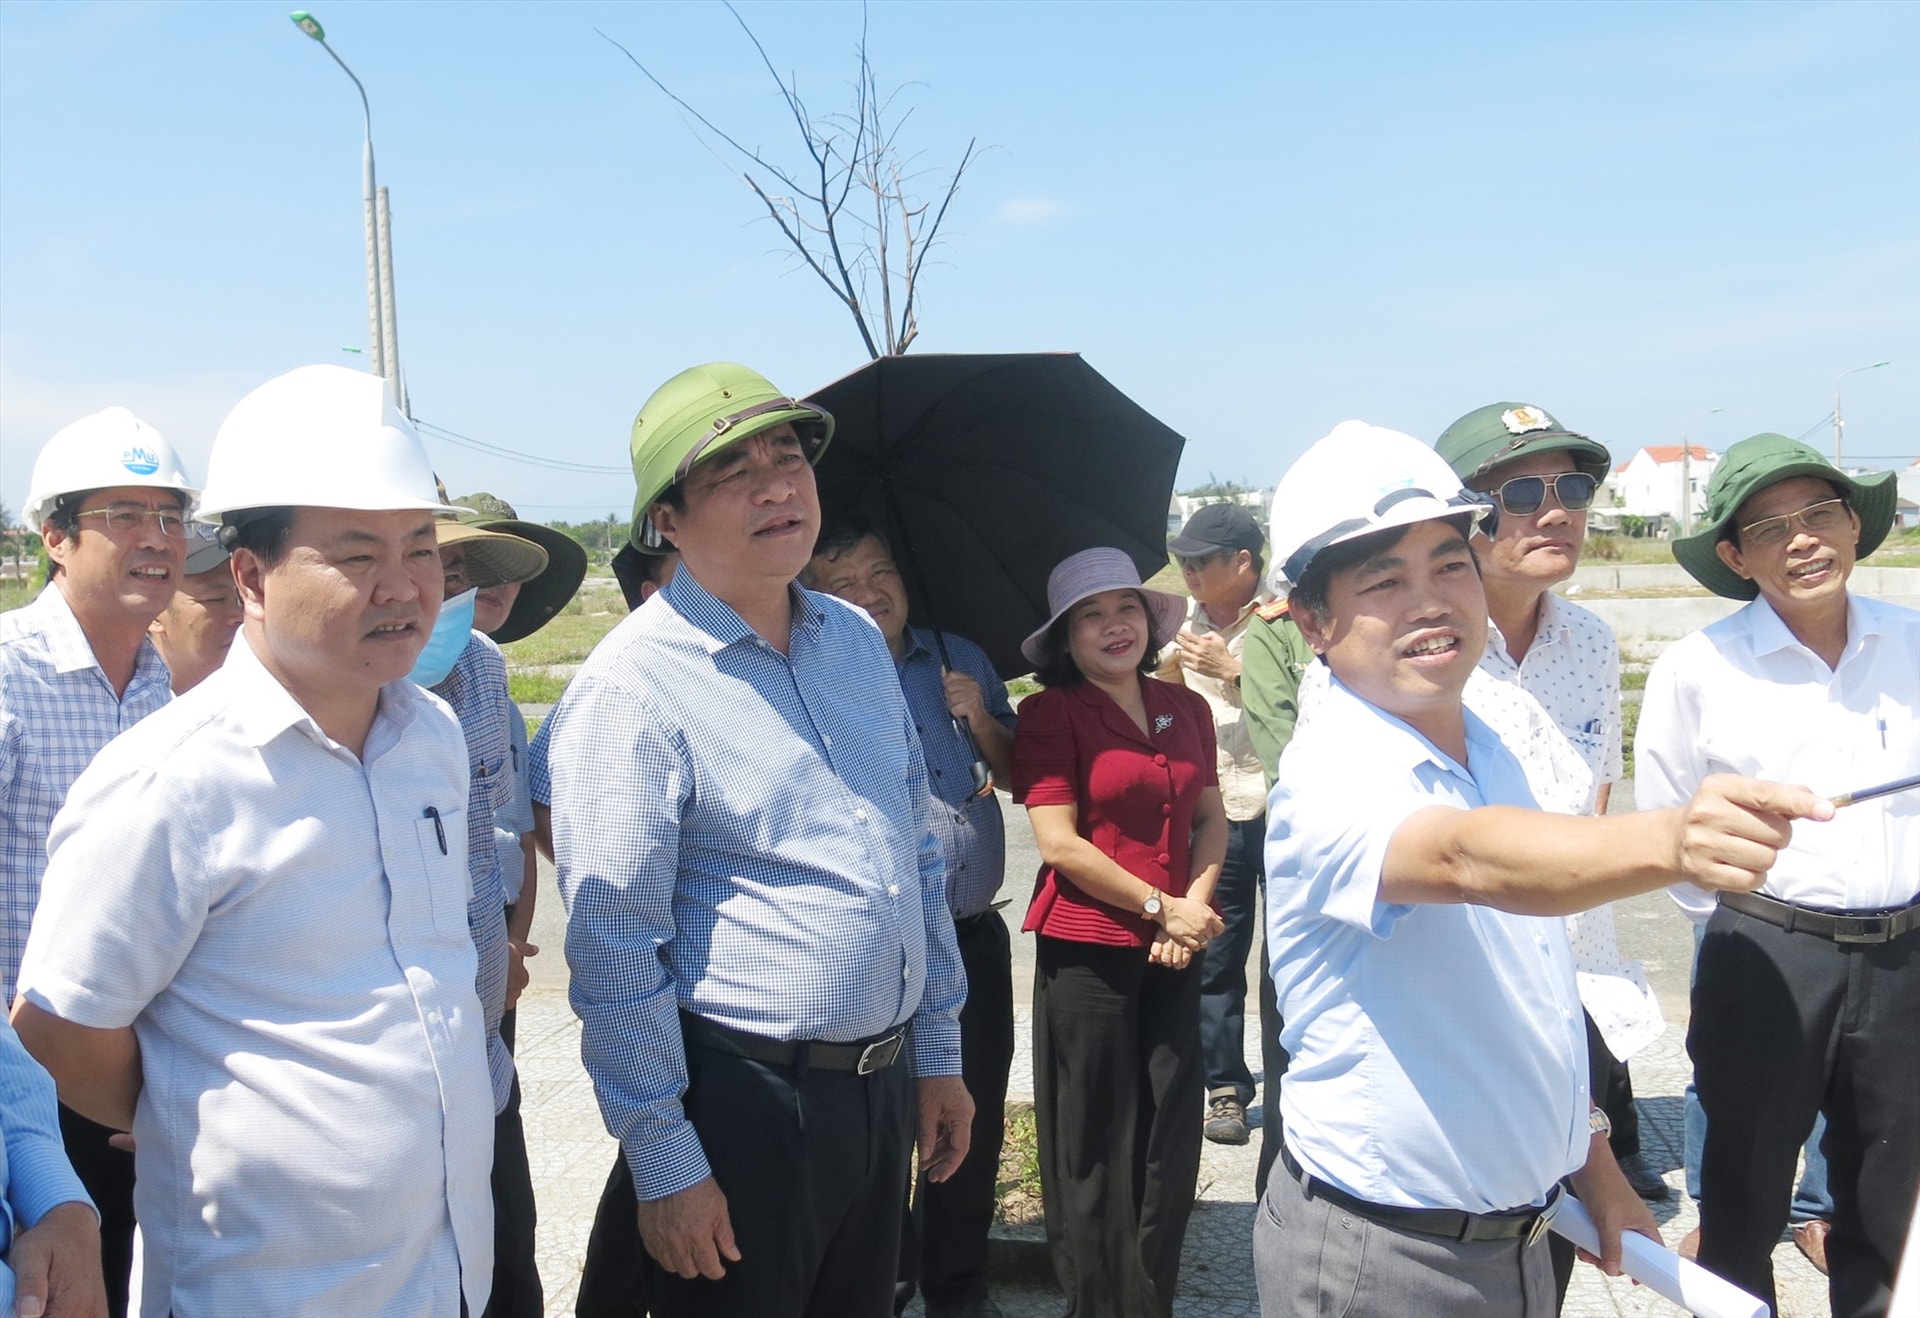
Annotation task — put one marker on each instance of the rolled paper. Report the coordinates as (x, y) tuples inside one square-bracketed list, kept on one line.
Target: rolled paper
[(1658, 1268)]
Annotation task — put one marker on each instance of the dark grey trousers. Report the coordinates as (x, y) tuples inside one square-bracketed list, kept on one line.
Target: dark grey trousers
[(1313, 1259)]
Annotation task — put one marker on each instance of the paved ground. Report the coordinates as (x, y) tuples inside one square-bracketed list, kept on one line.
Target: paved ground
[(571, 1153)]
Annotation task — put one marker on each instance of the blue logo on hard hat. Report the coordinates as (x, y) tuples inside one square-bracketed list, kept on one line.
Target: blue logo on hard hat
[(141, 461)]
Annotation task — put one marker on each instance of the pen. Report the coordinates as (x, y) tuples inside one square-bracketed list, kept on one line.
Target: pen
[(439, 829), (1868, 793)]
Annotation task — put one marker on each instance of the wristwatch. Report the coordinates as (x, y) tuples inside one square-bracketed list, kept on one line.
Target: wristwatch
[(1152, 906), (1598, 1122)]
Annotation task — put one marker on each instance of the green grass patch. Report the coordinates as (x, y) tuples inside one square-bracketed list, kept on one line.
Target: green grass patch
[(1629, 725), (535, 688), (567, 639), (1633, 681)]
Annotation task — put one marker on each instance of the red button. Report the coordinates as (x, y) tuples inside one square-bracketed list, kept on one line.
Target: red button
[(1163, 858), (1166, 810), (1159, 759)]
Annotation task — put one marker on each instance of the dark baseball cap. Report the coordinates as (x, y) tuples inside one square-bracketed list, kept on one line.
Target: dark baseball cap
[(1215, 527)]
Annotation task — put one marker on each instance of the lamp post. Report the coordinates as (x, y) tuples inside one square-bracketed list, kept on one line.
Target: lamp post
[(1840, 426), (382, 329), (1686, 470)]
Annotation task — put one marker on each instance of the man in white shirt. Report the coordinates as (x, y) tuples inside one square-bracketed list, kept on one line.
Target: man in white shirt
[(1437, 1092), (1542, 477), (1807, 992), (252, 948)]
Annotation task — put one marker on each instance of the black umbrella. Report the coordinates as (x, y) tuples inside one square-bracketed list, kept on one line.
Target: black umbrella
[(987, 470)]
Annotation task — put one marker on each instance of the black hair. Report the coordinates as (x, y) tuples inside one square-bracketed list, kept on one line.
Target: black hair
[(262, 532), (843, 533), (64, 516), (1060, 670), (1310, 592)]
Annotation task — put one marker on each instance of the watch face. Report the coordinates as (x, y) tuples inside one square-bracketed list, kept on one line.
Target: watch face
[(1152, 905)]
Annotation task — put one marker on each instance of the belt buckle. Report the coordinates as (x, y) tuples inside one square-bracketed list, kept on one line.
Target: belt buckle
[(878, 1055), (1547, 1213), (1877, 929)]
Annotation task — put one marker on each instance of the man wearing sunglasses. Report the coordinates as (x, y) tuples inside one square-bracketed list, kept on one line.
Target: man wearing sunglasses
[(1807, 992), (1541, 477), (109, 497)]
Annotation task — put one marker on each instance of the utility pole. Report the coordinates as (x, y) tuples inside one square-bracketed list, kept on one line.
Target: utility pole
[(1840, 426)]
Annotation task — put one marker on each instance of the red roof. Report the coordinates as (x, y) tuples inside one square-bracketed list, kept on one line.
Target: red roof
[(1665, 453)]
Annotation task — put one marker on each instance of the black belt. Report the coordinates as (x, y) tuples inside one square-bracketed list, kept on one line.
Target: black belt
[(862, 1057), (1834, 926), (1450, 1223)]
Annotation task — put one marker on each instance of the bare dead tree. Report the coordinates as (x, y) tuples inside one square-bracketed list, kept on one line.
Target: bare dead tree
[(849, 213)]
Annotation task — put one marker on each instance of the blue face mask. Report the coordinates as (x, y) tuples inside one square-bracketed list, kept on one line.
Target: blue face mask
[(452, 630)]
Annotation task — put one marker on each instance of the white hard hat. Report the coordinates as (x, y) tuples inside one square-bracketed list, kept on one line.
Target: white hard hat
[(318, 437), (1357, 480), (98, 452)]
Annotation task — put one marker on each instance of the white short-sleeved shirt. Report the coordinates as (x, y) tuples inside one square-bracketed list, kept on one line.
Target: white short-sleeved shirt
[(1573, 670), (1743, 695), (284, 926), (1438, 1055)]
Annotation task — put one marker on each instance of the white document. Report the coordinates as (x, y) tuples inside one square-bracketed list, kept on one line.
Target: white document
[(1680, 1280)]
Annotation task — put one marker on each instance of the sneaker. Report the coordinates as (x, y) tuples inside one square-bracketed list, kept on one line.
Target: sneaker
[(1226, 1120), (1645, 1180)]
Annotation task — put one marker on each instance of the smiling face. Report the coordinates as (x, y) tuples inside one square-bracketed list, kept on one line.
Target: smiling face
[(1541, 548), (1405, 627), (865, 576), (1108, 635), (195, 630), (129, 574), (751, 516), (347, 608), (1807, 568)]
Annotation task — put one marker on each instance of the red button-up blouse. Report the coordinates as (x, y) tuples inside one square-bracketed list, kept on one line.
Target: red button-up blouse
[(1134, 796)]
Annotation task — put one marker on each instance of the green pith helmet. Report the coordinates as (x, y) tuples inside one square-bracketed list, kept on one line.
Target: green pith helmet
[(1501, 432), (700, 412)]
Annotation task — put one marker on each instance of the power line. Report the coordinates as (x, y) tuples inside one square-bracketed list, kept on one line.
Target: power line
[(514, 455)]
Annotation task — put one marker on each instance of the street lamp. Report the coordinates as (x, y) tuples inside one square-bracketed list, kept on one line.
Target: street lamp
[(382, 330), (1686, 470), (1840, 426)]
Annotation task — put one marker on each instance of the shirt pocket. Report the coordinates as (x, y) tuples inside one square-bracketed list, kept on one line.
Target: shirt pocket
[(442, 840)]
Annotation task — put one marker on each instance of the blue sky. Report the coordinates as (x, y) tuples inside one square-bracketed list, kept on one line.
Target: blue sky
[(1257, 220)]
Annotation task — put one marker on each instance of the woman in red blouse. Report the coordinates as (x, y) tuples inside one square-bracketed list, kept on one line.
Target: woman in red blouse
[(1117, 772)]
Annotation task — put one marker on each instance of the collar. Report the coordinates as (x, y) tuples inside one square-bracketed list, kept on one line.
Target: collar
[(1395, 741), (1155, 695), (1552, 626), (920, 645), (1197, 612), (1771, 635), (717, 623), (71, 652), (265, 709)]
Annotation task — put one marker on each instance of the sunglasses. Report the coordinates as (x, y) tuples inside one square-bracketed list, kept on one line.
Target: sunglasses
[(1818, 518), (1525, 494)]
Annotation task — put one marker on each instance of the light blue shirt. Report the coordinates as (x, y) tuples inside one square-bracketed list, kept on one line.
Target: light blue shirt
[(1439, 1058), (35, 1176), (743, 834), (970, 827), (57, 710)]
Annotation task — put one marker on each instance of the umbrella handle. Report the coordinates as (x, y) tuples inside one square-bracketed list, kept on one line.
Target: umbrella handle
[(981, 771)]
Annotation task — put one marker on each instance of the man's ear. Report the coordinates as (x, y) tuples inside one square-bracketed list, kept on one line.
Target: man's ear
[(59, 543), (663, 519), (1731, 556), (250, 579), (1311, 625)]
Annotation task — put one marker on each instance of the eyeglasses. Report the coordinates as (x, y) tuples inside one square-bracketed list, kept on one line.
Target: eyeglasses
[(1818, 519), (1196, 562), (1524, 494), (125, 521)]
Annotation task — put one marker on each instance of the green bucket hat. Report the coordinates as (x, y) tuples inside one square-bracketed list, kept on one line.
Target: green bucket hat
[(1750, 467), (698, 413), (1500, 432), (544, 594)]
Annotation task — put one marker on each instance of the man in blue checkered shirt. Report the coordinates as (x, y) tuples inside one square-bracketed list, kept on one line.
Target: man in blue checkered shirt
[(109, 497), (758, 936)]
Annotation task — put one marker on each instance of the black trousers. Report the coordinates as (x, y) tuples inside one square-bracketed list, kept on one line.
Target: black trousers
[(1223, 971), (1117, 1088), (943, 1239), (517, 1292), (1273, 1065), (1612, 1087), (1786, 1025), (108, 1175), (814, 1167)]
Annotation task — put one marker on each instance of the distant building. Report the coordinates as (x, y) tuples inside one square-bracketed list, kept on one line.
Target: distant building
[(1907, 509), (1662, 483), (1182, 506)]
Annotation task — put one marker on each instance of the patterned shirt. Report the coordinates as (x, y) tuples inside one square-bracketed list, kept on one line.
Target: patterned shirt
[(971, 832), (35, 1176), (57, 710), (284, 926), (744, 835), (477, 690), (1573, 669), (1243, 782)]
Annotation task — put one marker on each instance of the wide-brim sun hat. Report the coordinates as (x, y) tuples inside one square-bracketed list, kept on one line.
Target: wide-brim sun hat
[(1750, 467), (1091, 572), (1488, 436), (544, 595), (1357, 480)]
